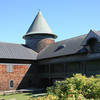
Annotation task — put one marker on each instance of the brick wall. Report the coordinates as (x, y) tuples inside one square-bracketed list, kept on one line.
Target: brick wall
[(17, 75)]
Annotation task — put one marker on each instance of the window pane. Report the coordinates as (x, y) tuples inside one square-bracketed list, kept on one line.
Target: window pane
[(11, 84), (9, 68)]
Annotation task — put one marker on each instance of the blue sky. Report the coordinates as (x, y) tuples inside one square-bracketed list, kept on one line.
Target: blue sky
[(67, 18)]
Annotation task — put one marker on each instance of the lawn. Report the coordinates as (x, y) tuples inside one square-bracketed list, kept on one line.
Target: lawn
[(21, 96)]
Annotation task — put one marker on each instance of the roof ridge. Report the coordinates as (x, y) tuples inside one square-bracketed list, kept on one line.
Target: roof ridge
[(72, 38), (10, 43)]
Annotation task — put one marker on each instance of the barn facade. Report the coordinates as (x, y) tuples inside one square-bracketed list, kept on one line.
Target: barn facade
[(41, 61)]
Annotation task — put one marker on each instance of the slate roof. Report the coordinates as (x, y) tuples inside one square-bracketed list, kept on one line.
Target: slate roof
[(16, 51), (96, 32), (39, 26), (65, 47), (61, 48)]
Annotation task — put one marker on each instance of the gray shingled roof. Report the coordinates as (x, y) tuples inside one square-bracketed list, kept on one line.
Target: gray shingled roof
[(97, 32), (39, 26), (61, 48), (16, 51), (65, 47)]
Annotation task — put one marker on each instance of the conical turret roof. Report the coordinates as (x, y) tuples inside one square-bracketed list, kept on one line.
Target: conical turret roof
[(39, 26)]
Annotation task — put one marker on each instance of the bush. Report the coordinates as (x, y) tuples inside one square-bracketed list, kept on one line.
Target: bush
[(92, 88), (78, 87), (75, 87)]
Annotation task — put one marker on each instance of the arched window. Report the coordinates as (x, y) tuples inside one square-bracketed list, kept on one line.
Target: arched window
[(11, 84), (92, 44)]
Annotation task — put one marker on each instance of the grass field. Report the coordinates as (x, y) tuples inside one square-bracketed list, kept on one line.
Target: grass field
[(21, 96)]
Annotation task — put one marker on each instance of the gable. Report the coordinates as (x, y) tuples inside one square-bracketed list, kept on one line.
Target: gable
[(91, 35)]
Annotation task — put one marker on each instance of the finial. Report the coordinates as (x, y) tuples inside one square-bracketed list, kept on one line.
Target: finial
[(39, 11)]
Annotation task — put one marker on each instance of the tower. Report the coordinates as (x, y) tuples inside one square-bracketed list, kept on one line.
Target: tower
[(39, 34)]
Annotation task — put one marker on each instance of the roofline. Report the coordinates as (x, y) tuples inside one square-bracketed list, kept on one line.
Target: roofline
[(60, 56), (31, 34), (21, 61)]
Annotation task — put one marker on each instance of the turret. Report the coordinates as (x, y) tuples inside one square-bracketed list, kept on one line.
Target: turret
[(39, 34)]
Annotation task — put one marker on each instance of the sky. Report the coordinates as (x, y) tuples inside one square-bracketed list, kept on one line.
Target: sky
[(67, 18)]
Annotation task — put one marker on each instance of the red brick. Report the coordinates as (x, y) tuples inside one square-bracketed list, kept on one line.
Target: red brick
[(17, 75)]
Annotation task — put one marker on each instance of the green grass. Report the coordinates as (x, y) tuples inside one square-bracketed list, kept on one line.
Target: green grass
[(21, 96)]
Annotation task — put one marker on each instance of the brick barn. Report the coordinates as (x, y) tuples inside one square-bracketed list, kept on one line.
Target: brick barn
[(41, 60)]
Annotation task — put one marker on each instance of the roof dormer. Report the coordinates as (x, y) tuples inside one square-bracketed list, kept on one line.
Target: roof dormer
[(92, 41), (91, 35)]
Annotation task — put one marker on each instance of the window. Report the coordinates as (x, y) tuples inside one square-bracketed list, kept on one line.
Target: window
[(92, 44), (9, 68), (60, 47), (11, 84)]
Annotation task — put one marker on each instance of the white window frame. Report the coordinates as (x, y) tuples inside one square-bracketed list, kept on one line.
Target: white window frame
[(9, 68)]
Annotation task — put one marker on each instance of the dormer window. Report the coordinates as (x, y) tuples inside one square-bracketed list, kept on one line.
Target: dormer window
[(91, 44), (60, 47)]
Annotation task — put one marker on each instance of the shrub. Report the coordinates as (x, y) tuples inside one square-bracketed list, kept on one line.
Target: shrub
[(92, 88), (76, 86)]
